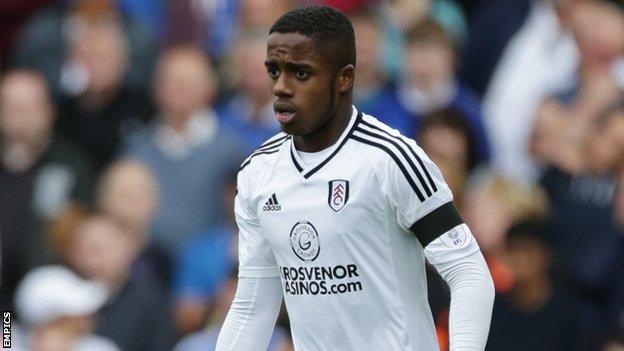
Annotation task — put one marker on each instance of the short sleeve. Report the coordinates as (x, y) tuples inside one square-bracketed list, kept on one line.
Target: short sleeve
[(414, 185), (255, 256)]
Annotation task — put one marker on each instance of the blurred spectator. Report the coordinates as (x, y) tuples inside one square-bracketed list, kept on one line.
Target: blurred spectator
[(541, 59), (203, 265), (215, 24), (405, 14), (371, 79), (550, 141), (187, 148), (533, 315), (100, 110), (57, 308), (563, 125), (47, 40), (152, 14), (129, 193), (206, 340), (250, 110), (262, 13), (446, 137), (40, 174), (606, 152), (584, 230), (137, 314), (578, 139), (13, 15), (401, 15), (492, 24), (429, 85), (211, 25), (492, 203)]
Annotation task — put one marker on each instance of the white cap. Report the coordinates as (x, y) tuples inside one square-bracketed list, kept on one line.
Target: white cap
[(51, 292)]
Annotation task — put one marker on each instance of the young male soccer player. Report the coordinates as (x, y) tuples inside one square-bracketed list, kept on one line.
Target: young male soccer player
[(338, 213)]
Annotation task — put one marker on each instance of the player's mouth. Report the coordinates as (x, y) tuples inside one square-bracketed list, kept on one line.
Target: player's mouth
[(285, 112)]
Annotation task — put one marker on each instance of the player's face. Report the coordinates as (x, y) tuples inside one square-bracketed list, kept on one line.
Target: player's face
[(303, 82)]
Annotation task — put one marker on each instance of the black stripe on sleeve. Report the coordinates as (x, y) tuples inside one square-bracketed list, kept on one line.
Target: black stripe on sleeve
[(265, 151), (271, 147), (273, 141), (398, 162), (410, 148), (256, 154), (436, 223), (405, 156)]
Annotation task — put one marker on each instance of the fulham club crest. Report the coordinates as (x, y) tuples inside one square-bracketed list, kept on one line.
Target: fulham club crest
[(338, 194)]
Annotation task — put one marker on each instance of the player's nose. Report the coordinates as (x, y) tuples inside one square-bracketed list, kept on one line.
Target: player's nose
[(281, 88)]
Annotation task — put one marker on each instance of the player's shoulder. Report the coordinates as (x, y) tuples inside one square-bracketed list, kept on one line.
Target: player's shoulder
[(266, 153), (383, 143), (398, 156)]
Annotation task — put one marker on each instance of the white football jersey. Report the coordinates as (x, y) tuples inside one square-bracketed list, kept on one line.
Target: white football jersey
[(338, 234)]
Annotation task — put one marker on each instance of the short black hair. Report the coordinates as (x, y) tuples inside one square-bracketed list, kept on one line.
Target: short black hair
[(329, 28)]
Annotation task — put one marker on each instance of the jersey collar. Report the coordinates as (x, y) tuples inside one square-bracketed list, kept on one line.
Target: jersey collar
[(308, 170)]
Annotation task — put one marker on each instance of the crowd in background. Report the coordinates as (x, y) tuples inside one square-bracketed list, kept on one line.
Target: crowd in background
[(123, 124)]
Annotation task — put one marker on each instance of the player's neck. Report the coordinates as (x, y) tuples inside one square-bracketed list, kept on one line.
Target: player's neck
[(328, 134)]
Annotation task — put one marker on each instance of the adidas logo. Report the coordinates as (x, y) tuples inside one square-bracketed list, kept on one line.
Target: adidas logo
[(272, 204)]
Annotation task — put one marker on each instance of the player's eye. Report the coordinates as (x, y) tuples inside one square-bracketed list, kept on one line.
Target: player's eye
[(302, 75), (273, 72)]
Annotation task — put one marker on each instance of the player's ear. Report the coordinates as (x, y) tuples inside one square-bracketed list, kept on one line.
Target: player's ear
[(346, 76)]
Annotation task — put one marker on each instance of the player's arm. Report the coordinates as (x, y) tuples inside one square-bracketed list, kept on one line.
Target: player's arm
[(251, 318), (424, 206), (456, 256)]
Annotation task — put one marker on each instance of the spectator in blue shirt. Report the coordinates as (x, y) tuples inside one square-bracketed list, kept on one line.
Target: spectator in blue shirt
[(187, 148), (428, 85)]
